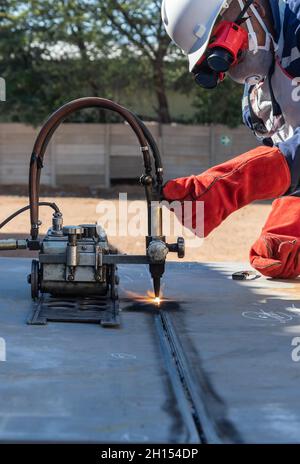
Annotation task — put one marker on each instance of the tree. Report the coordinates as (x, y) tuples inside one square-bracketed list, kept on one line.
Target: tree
[(137, 25), (221, 105), (55, 51), (52, 52)]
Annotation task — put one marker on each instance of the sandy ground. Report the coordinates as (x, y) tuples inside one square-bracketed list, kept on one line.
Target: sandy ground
[(230, 242)]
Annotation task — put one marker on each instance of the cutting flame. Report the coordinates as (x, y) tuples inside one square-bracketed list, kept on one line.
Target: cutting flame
[(149, 298), (152, 298)]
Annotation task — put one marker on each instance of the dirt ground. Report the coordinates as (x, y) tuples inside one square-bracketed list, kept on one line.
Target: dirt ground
[(230, 242)]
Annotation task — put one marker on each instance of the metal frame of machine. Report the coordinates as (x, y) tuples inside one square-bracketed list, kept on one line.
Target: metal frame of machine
[(75, 278)]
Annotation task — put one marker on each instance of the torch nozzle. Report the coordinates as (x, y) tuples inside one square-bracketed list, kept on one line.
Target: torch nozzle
[(156, 285)]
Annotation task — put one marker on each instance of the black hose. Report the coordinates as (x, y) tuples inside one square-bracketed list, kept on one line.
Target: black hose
[(154, 148), (26, 208), (147, 144)]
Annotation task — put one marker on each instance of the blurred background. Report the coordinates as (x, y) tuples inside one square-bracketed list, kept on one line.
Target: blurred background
[(55, 51)]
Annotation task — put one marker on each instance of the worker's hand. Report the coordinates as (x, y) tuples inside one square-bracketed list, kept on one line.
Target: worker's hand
[(262, 173), (179, 189), (276, 256), (277, 252)]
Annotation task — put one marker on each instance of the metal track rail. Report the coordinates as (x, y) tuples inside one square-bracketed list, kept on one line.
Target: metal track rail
[(185, 386)]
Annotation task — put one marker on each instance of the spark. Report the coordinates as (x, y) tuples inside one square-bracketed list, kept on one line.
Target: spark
[(148, 298)]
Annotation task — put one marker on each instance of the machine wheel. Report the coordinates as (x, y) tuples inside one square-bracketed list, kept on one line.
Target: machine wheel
[(35, 279)]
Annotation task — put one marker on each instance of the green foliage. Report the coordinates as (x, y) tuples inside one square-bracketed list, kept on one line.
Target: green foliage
[(52, 51), (220, 106)]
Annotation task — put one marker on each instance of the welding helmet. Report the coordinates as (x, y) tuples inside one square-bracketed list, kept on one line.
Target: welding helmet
[(213, 45)]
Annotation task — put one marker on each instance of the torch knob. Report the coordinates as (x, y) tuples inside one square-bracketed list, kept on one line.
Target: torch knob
[(181, 247), (178, 247), (73, 230)]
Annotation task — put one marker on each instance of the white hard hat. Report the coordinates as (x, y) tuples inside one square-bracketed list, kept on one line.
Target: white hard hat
[(189, 23)]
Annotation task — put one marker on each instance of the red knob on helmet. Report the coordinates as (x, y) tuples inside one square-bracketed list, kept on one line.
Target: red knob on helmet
[(228, 42), (230, 37)]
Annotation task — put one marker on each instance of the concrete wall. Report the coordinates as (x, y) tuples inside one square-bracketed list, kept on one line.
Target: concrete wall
[(94, 154)]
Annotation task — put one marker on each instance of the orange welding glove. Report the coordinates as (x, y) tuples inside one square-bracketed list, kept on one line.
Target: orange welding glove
[(277, 252), (260, 174)]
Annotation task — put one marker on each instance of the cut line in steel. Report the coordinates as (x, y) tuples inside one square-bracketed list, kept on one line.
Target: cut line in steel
[(183, 404), (185, 386)]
